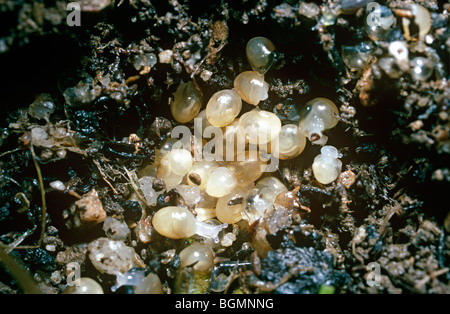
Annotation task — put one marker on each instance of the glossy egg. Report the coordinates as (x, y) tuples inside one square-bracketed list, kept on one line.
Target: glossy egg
[(251, 87), (260, 54), (223, 107)]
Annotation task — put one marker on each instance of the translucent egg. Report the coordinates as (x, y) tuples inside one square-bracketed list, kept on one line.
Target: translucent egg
[(221, 182), (84, 285), (150, 285), (230, 207), (421, 68), (318, 115), (179, 223), (379, 22), (270, 187), (187, 103), (327, 166), (198, 255), (356, 57), (291, 142), (247, 166), (223, 107), (173, 166), (260, 126), (166, 146), (260, 54), (200, 173), (251, 87)]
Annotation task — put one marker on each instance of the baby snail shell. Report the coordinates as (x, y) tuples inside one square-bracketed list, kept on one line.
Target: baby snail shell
[(179, 223), (223, 107), (291, 142), (229, 207), (199, 255), (174, 222), (251, 87), (317, 115), (327, 166), (260, 126), (416, 21), (260, 54), (247, 166), (187, 103)]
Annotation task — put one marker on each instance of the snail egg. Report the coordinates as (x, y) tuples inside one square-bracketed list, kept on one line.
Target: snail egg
[(270, 187), (421, 68), (251, 87), (247, 166), (174, 165), (291, 142), (260, 54), (260, 126), (327, 166), (200, 173), (382, 20), (223, 107), (229, 207), (221, 182), (174, 222), (199, 255), (318, 115), (187, 103)]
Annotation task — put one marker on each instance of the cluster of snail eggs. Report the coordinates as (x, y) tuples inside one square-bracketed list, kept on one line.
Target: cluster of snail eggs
[(230, 186)]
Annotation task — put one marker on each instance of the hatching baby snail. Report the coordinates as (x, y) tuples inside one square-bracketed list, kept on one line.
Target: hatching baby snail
[(317, 115), (223, 107), (179, 223), (327, 166), (187, 102), (198, 254), (251, 87), (260, 54)]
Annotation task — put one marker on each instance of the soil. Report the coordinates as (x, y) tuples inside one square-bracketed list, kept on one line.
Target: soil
[(387, 214)]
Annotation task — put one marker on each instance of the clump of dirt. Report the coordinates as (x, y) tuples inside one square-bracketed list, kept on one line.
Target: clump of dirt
[(86, 108)]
